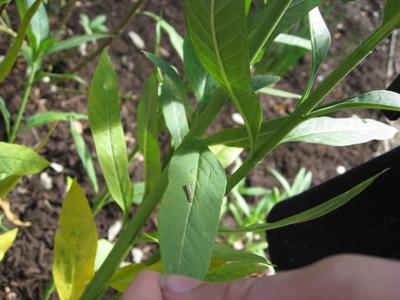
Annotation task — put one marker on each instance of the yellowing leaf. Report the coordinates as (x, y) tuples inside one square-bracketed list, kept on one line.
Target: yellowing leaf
[(75, 245), (6, 240)]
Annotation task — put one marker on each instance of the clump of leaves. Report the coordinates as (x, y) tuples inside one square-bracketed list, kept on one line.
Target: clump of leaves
[(224, 40)]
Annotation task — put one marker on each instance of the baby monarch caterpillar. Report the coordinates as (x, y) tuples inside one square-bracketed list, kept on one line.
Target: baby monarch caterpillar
[(189, 192)]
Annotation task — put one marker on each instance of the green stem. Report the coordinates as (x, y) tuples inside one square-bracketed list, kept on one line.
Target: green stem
[(49, 290), (315, 98), (25, 98), (133, 227)]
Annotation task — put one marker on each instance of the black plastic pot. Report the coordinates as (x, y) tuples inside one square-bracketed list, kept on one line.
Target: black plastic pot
[(369, 224)]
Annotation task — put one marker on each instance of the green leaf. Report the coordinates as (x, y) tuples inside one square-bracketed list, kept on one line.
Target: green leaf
[(235, 270), (123, 277), (218, 33), (6, 115), (321, 42), (392, 10), (259, 82), (147, 123), (297, 10), (226, 155), (9, 59), (279, 93), (138, 195), (174, 37), (45, 118), (170, 72), (194, 71), (340, 132), (174, 112), (8, 184), (385, 100), (105, 123), (310, 214), (248, 5), (39, 27), (268, 18), (20, 160), (75, 41), (75, 245), (237, 137), (190, 210), (104, 248), (322, 130), (85, 156), (293, 40), (6, 241), (226, 253)]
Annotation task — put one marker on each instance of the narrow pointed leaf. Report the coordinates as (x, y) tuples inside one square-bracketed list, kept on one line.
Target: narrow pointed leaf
[(313, 213), (218, 33), (385, 100), (174, 37), (194, 71), (226, 155), (322, 130), (226, 253), (279, 93), (45, 118), (20, 160), (190, 210), (84, 154), (174, 112), (9, 59), (75, 245), (340, 131), (293, 40), (105, 123), (268, 19), (392, 10), (75, 41), (321, 42), (297, 10), (6, 241), (39, 27), (147, 122)]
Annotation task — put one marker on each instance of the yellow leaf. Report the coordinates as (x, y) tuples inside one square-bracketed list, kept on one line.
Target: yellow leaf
[(6, 240), (75, 245)]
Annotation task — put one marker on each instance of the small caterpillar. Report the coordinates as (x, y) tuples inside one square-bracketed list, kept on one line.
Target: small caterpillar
[(189, 192)]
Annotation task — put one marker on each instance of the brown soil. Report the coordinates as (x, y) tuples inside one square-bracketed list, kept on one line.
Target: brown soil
[(27, 266)]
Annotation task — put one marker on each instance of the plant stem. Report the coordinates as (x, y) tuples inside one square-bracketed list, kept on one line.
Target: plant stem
[(115, 34), (25, 98), (8, 31), (49, 290), (133, 227), (70, 9), (310, 103)]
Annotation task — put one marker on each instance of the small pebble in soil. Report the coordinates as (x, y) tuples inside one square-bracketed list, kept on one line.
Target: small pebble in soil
[(114, 230), (137, 255), (137, 40), (341, 169), (57, 167), (46, 181)]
